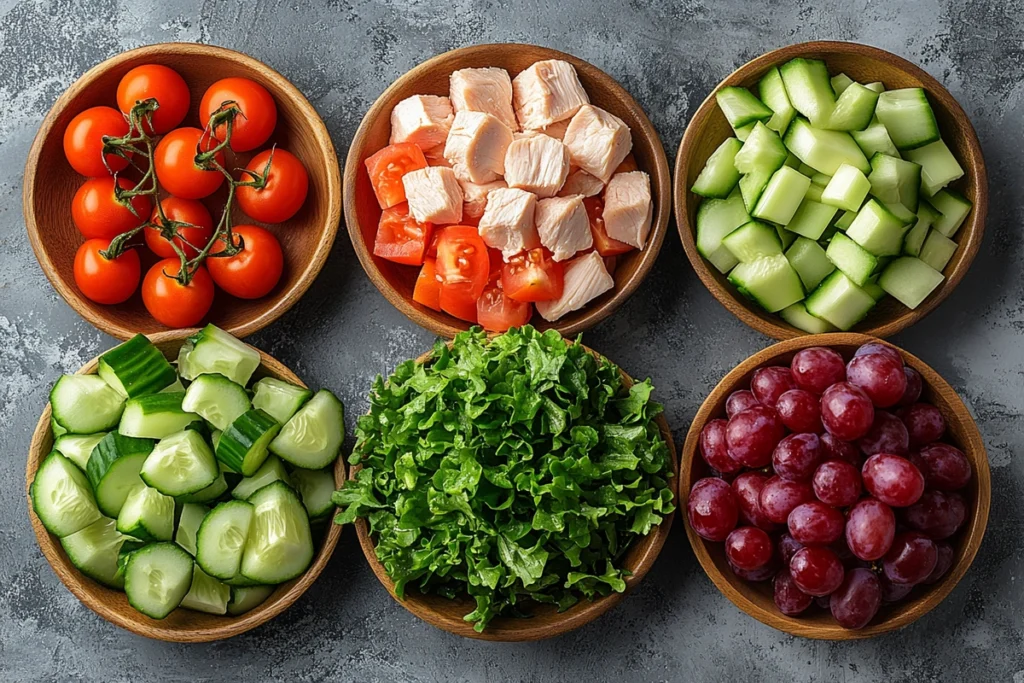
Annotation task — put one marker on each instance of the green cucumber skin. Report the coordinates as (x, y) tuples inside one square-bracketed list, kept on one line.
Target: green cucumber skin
[(139, 367), (242, 436), (111, 448), (109, 421)]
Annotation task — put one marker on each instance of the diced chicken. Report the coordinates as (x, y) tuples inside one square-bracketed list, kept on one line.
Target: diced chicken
[(628, 208), (422, 119), (598, 141), (582, 183), (563, 226), (586, 278), (434, 195), (508, 221), (474, 197), (547, 92), (555, 130), (538, 164), (488, 90), (476, 146)]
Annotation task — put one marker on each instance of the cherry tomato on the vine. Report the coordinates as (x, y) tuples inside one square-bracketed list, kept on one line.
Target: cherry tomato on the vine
[(191, 239), (169, 301), (97, 213), (285, 190), (259, 113), (176, 168), (252, 272), (106, 281), (158, 82), (83, 141)]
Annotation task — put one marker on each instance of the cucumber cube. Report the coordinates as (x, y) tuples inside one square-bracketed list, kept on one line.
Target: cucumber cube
[(875, 140), (824, 150), (820, 179), (915, 237), (716, 218), (753, 240), (797, 316), (840, 82), (910, 280), (839, 301), (895, 181), (785, 236), (847, 189), (856, 262), (843, 222), (762, 150), (810, 262), (938, 166), (809, 89), (741, 132), (740, 106), (792, 161), (814, 192), (811, 219), (854, 108), (937, 250), (770, 281), (877, 86), (782, 196), (772, 92), (872, 288), (953, 208), (719, 176), (752, 185), (908, 117), (805, 169), (876, 229)]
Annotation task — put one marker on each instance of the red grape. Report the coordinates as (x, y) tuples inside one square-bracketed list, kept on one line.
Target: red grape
[(888, 434), (748, 548), (894, 592), (817, 368), (712, 509), (857, 599), (752, 435), (800, 411), (944, 468), (837, 483), (937, 514), (788, 546), (747, 488), (911, 559), (779, 496), (942, 565), (815, 522), (760, 574), (880, 377), (739, 401), (714, 449), (816, 570), (877, 347), (893, 480), (790, 600), (797, 456), (870, 528), (924, 423), (846, 411), (770, 383), (837, 449), (914, 386)]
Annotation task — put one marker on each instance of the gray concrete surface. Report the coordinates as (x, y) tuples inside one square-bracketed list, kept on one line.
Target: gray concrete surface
[(677, 627)]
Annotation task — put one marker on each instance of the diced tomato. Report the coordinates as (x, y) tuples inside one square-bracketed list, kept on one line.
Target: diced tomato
[(400, 237), (496, 312), (496, 260), (609, 264), (533, 276), (387, 167), (427, 290), (456, 303), (432, 246), (604, 244), (463, 269), (628, 164)]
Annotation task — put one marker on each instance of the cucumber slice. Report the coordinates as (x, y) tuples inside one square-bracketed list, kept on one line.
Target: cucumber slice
[(877, 86), (214, 351), (847, 189), (876, 229), (937, 250), (853, 109), (811, 219), (895, 181), (78, 447), (61, 496), (908, 117), (157, 578), (716, 218), (785, 236), (206, 594), (270, 471), (915, 237), (94, 549), (809, 89), (180, 464), (243, 445), (155, 416), (278, 399), (856, 262), (741, 107), (280, 546), (313, 437), (113, 470), (216, 399), (797, 316), (910, 280), (315, 488), (770, 281), (192, 515), (902, 214), (953, 208), (85, 404), (772, 92), (222, 538), (129, 546), (147, 515), (938, 166), (753, 240), (751, 187), (824, 150), (57, 429), (810, 262), (839, 301), (211, 493), (875, 140), (763, 150), (782, 196), (845, 221), (136, 368), (840, 82), (719, 176), (245, 598)]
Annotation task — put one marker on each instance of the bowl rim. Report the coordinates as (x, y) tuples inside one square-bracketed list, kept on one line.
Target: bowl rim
[(661, 192), (321, 136), (972, 534), (973, 229), (511, 629), (83, 587)]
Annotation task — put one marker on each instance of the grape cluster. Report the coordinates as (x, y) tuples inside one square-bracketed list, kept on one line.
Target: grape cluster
[(831, 480)]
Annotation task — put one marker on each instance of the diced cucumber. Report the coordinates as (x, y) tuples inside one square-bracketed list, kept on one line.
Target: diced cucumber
[(910, 280), (915, 237), (854, 260), (280, 546), (77, 447), (847, 189), (270, 471), (762, 150), (753, 240), (222, 538), (876, 229), (853, 109), (824, 150), (751, 187), (214, 351), (846, 220), (811, 219), (279, 399), (155, 416), (175, 387), (772, 92), (211, 493), (742, 132), (216, 399), (57, 429), (312, 438), (937, 250), (895, 181), (113, 469), (206, 594), (820, 179), (719, 176), (809, 89), (716, 218), (782, 196), (793, 162), (315, 487), (805, 169), (136, 368), (180, 464), (85, 404), (192, 515), (875, 140), (245, 598), (797, 316), (877, 86), (147, 515), (93, 550), (785, 236), (814, 192), (129, 546), (243, 445), (840, 82), (953, 208), (770, 281), (938, 166), (874, 290), (741, 107), (902, 214), (908, 117), (157, 578), (61, 496), (839, 301), (809, 261)]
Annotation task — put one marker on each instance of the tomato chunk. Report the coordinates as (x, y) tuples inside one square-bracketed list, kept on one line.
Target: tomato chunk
[(400, 237), (463, 269), (427, 290), (605, 245), (533, 276), (496, 312), (387, 167)]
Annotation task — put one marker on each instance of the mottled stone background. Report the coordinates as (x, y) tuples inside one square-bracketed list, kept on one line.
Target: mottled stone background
[(669, 54)]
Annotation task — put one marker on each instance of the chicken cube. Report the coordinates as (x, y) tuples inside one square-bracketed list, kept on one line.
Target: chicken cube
[(586, 278), (422, 119), (547, 92), (555, 130), (598, 141), (538, 164), (488, 90), (563, 226), (508, 221), (628, 208), (582, 183), (434, 195), (474, 197), (476, 146)]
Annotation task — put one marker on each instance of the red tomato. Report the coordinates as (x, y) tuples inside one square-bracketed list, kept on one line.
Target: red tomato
[(428, 289), (496, 312), (83, 141), (432, 246), (97, 213), (604, 244), (456, 303), (463, 263), (259, 113), (106, 281), (252, 272), (285, 191), (171, 303), (190, 240), (158, 82), (628, 164), (400, 237), (496, 261), (387, 167), (533, 276), (176, 167)]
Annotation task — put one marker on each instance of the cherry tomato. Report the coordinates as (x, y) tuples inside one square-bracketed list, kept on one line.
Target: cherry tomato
[(605, 245), (190, 240), (259, 113), (252, 272), (159, 82), (427, 290), (496, 312), (171, 303), (106, 281), (176, 167), (83, 141), (285, 191), (97, 213), (400, 237), (387, 167), (533, 276)]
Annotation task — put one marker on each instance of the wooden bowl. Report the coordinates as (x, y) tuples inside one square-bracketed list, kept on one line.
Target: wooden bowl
[(545, 621), (863, 63), (306, 239), (362, 213), (756, 599), (182, 625)]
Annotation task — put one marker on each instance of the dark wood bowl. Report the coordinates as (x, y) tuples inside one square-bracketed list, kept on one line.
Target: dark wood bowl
[(306, 239), (182, 625), (863, 63), (362, 213), (756, 599)]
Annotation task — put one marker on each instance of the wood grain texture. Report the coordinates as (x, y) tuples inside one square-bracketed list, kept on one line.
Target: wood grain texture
[(362, 213), (50, 183), (863, 63), (756, 599), (182, 625), (544, 620)]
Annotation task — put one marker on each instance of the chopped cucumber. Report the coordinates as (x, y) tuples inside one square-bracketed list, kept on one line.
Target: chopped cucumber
[(78, 447), (915, 237), (772, 92), (839, 301), (847, 189), (785, 236), (313, 437), (206, 594), (770, 281), (854, 108), (797, 316), (192, 515), (805, 169), (222, 538), (811, 219), (155, 416), (245, 598), (315, 487), (820, 179), (719, 176), (147, 515), (782, 197), (740, 106), (211, 493), (953, 208), (810, 92), (875, 140), (214, 351), (844, 222), (763, 150), (85, 404), (272, 470), (874, 290), (57, 429), (937, 250), (157, 578), (175, 387), (94, 549), (840, 82), (113, 469), (280, 545), (279, 399), (793, 162), (716, 218), (61, 496), (877, 86), (752, 185), (243, 445), (809, 261), (136, 368), (856, 262), (910, 280), (908, 117), (814, 193), (753, 240), (180, 464), (938, 166), (895, 181), (216, 399), (824, 150), (742, 132), (876, 229)]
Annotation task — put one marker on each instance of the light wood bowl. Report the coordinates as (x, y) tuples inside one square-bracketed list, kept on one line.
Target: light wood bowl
[(182, 625), (362, 213), (756, 599), (50, 183), (863, 63), (544, 621)]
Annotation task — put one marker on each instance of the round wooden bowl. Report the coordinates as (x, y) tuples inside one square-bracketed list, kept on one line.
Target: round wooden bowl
[(182, 625), (756, 599), (544, 621), (863, 63), (306, 239), (362, 212)]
